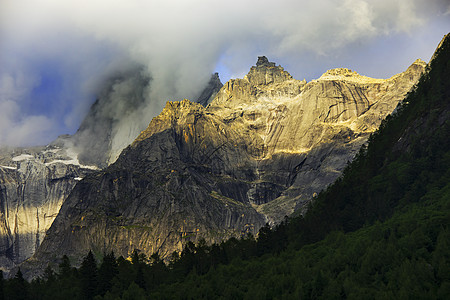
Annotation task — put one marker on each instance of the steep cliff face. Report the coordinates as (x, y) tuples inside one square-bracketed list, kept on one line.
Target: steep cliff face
[(114, 120), (309, 131), (210, 91), (259, 151), (34, 182), (164, 190), (117, 116), (33, 185)]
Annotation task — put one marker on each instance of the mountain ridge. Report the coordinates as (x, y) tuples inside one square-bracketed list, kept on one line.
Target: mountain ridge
[(380, 231), (259, 151)]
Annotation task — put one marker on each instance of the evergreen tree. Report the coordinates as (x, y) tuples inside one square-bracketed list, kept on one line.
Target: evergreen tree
[(19, 289), (88, 277), (139, 279), (64, 267), (107, 271), (135, 257), (134, 292), (49, 274), (138, 261), (2, 286)]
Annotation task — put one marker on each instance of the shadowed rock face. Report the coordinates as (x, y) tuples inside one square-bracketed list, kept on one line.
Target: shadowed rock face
[(257, 152), (210, 91), (114, 120), (34, 182), (162, 192)]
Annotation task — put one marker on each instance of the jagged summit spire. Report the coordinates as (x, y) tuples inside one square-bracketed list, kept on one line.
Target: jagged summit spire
[(266, 72), (264, 61), (210, 90)]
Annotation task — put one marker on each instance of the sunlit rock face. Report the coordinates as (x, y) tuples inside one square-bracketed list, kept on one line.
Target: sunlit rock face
[(259, 151), (308, 131), (34, 183)]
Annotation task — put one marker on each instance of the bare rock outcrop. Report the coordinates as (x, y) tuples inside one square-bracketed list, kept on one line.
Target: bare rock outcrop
[(210, 91)]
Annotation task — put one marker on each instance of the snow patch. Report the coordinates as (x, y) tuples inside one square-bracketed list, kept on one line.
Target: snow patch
[(52, 150), (8, 167), (22, 157), (78, 178), (73, 161)]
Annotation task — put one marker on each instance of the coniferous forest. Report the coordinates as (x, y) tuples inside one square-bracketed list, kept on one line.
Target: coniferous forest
[(381, 231)]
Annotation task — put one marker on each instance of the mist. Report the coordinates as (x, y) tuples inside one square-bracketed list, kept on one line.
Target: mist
[(55, 56)]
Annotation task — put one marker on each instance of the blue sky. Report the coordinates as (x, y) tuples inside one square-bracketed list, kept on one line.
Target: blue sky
[(54, 55)]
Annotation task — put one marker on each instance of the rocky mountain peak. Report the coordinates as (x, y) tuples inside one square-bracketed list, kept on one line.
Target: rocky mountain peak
[(266, 72), (340, 72), (173, 112), (347, 75), (175, 109), (419, 62), (417, 66), (211, 90), (264, 61)]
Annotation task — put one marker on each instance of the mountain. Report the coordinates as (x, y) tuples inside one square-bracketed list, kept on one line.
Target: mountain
[(35, 181), (307, 132), (259, 151), (381, 231), (117, 116)]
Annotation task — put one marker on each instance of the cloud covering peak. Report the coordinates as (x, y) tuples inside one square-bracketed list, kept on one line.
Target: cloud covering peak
[(55, 54)]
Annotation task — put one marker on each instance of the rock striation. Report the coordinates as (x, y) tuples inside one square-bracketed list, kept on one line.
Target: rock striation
[(260, 150), (34, 183), (309, 131)]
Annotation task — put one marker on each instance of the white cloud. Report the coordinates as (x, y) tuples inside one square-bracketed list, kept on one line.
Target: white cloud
[(407, 16), (179, 42), (447, 12), (16, 130)]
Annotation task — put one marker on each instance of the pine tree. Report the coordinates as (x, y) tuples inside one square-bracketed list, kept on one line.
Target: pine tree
[(49, 274), (140, 280), (107, 271), (88, 277), (19, 287), (2, 286), (64, 267)]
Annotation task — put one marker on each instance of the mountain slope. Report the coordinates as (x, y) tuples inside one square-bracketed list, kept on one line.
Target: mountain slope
[(381, 231), (112, 122), (262, 147)]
